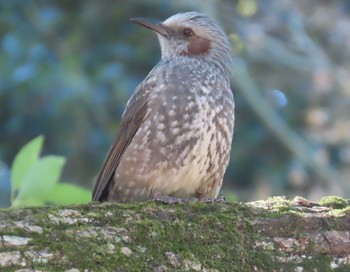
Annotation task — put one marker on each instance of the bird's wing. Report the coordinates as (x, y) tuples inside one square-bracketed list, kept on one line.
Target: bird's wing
[(135, 113)]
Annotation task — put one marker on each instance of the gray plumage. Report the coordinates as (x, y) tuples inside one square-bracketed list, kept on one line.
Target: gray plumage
[(176, 131)]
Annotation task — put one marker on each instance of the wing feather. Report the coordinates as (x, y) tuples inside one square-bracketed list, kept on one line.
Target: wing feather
[(135, 113)]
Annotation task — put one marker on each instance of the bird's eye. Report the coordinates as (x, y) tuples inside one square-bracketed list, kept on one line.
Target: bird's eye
[(188, 32)]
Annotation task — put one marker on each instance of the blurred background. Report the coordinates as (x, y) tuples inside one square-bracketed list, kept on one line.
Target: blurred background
[(67, 69)]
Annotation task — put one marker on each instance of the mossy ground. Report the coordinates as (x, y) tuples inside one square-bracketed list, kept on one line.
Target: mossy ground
[(334, 202), (149, 236), (197, 234)]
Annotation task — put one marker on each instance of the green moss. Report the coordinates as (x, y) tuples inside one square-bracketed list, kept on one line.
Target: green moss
[(346, 210), (318, 263), (334, 202), (342, 268), (215, 236), (276, 206), (340, 212), (195, 233)]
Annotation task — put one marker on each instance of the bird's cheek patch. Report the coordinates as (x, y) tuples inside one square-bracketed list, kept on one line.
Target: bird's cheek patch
[(199, 46)]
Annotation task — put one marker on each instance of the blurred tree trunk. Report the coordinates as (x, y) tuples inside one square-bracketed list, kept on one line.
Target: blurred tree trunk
[(271, 235)]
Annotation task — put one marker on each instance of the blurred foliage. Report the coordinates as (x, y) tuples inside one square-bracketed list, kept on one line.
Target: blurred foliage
[(34, 180), (298, 62), (67, 69)]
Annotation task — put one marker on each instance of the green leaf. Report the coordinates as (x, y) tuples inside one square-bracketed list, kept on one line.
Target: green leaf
[(41, 178), (66, 193), (24, 160)]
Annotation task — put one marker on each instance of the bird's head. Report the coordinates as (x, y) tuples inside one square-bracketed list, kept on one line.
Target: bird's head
[(191, 34)]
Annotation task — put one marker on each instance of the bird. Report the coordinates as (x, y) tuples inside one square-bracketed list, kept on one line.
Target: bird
[(175, 134)]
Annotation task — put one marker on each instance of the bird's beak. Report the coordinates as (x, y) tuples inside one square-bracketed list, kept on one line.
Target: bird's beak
[(152, 24)]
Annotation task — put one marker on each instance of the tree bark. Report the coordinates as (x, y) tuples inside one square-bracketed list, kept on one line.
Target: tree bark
[(271, 235)]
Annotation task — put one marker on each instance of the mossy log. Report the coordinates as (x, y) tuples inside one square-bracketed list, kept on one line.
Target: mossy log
[(271, 235)]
